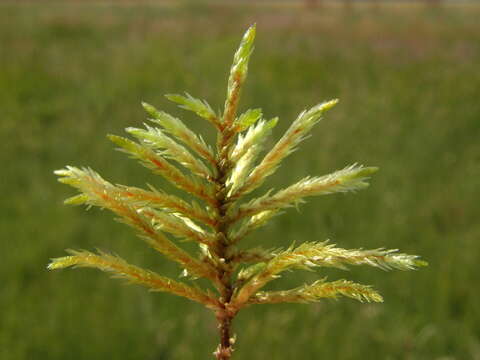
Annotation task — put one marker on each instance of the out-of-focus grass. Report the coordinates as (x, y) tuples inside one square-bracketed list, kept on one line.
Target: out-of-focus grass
[(408, 81)]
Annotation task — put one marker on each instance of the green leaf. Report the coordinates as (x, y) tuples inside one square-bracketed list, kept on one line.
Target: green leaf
[(178, 129), (248, 118), (238, 73), (286, 145), (199, 107)]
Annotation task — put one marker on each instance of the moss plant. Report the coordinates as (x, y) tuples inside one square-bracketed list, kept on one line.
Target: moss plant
[(219, 179)]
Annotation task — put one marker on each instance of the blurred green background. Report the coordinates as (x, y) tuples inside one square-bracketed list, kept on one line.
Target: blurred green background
[(408, 79)]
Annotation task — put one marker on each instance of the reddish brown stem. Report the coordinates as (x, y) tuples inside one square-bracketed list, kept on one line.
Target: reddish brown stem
[(225, 348), (224, 316)]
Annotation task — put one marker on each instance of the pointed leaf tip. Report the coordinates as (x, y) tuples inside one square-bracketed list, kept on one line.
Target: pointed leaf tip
[(272, 122), (368, 171), (421, 263), (60, 263), (117, 140), (329, 104), (150, 109), (61, 172), (77, 200), (174, 97), (251, 32), (325, 106), (244, 51)]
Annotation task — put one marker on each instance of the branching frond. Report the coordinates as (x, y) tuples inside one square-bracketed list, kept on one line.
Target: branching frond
[(156, 138), (98, 192), (286, 145), (178, 129), (177, 226), (312, 254), (351, 178), (160, 200), (309, 255), (220, 221), (317, 291), (199, 107), (152, 160), (238, 73), (133, 274)]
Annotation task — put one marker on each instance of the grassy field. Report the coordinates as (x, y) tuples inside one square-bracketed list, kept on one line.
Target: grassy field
[(409, 82)]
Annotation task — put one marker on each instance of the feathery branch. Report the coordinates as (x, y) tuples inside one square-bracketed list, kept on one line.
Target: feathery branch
[(245, 153), (199, 107), (317, 291), (177, 226), (98, 192), (351, 178), (121, 269), (310, 255), (253, 136), (238, 73), (286, 145), (177, 128), (156, 138), (158, 199), (150, 159)]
